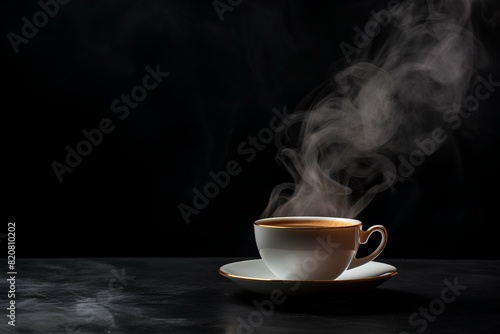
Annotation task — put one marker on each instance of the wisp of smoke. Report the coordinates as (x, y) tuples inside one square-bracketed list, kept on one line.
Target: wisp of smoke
[(375, 110)]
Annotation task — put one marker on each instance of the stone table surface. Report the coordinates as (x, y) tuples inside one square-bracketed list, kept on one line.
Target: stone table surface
[(188, 295)]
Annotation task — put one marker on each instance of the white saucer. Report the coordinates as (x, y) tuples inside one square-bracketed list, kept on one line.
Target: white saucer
[(254, 276)]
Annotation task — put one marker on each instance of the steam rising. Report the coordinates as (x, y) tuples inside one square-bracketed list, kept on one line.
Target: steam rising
[(375, 110)]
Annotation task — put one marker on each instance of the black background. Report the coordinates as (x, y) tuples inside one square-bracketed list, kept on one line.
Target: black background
[(225, 79)]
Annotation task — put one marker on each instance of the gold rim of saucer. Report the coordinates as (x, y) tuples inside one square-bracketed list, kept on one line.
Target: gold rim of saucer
[(388, 275)]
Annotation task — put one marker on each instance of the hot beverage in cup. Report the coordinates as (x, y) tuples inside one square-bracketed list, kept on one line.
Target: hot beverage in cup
[(313, 248)]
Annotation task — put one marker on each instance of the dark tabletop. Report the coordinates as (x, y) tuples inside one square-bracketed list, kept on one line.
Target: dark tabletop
[(187, 295)]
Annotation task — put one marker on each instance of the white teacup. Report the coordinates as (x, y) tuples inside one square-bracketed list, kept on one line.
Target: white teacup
[(313, 248)]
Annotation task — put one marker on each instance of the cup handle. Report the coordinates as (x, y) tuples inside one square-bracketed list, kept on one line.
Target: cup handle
[(363, 238)]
